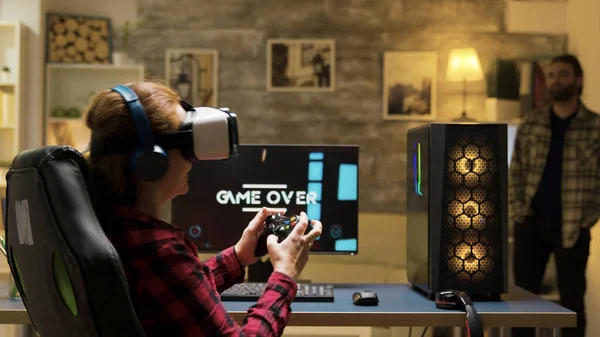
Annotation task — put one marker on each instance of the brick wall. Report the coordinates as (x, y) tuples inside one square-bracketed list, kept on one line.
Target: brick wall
[(363, 30)]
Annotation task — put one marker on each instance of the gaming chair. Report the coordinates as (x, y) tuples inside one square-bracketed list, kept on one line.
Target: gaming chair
[(67, 272)]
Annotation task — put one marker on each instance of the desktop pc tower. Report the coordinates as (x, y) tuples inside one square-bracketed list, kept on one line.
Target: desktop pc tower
[(457, 209)]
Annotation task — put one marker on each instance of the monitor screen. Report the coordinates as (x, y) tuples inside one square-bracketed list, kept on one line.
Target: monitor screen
[(321, 180)]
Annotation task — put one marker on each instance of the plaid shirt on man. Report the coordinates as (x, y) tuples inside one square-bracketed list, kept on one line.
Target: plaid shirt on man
[(174, 294), (580, 184)]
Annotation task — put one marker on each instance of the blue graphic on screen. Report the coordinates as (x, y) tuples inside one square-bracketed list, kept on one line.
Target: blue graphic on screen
[(417, 168), (195, 231), (345, 245), (315, 176), (347, 191), (347, 182), (316, 188), (315, 171)]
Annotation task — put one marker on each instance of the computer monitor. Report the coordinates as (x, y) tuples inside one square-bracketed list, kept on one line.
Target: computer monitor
[(321, 180)]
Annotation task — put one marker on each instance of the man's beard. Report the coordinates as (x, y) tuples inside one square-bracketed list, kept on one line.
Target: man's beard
[(563, 92)]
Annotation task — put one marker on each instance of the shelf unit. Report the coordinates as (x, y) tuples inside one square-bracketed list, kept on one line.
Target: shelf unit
[(12, 53), (69, 89)]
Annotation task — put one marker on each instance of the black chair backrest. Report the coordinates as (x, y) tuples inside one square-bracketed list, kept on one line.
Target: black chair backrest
[(68, 273)]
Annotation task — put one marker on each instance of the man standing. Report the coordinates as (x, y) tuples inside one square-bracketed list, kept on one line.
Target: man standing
[(554, 190)]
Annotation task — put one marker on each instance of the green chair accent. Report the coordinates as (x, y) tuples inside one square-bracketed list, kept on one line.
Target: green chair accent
[(63, 283)]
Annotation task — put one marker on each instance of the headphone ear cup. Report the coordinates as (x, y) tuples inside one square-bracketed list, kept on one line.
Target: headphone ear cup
[(447, 301), (447, 305), (150, 165)]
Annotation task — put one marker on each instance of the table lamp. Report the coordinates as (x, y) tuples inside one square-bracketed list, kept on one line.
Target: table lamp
[(463, 66)]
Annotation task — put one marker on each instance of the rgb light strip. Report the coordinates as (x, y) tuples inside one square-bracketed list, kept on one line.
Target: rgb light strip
[(417, 169)]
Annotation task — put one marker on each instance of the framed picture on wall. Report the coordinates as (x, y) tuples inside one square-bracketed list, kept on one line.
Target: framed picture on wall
[(300, 65), (194, 74), (538, 72), (409, 86), (74, 38)]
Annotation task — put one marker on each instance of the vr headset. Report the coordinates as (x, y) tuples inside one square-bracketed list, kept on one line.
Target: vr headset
[(205, 134)]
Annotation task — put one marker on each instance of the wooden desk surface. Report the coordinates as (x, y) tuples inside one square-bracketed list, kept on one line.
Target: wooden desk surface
[(399, 305), (11, 311)]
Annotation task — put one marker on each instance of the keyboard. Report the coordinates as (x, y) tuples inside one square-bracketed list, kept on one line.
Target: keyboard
[(251, 291)]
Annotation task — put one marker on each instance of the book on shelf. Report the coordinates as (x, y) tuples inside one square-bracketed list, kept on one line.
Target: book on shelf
[(7, 107)]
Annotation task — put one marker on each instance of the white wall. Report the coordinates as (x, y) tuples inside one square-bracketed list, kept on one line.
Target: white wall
[(584, 30), (30, 13), (33, 15), (118, 10), (536, 17)]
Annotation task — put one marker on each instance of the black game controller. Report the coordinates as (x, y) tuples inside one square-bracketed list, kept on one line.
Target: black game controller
[(276, 224)]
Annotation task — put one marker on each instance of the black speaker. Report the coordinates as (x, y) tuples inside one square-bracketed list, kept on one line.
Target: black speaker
[(457, 209)]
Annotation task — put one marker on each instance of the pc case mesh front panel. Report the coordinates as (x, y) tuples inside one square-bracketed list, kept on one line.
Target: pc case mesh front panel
[(471, 240)]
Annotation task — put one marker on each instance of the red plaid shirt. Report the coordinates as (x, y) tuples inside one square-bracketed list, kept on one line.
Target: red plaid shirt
[(175, 294)]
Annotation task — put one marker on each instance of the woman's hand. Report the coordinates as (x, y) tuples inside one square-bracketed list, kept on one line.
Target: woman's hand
[(247, 244), (291, 255)]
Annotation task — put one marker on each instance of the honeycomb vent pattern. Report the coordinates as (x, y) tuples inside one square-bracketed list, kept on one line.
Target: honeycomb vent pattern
[(470, 223)]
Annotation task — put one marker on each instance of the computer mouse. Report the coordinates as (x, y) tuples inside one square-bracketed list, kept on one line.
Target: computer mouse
[(365, 297)]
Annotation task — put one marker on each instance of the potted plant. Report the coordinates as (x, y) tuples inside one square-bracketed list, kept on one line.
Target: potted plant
[(120, 56), (5, 74), (503, 95)]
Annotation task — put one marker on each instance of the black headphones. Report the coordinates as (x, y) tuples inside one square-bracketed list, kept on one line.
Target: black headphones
[(149, 161), (458, 300)]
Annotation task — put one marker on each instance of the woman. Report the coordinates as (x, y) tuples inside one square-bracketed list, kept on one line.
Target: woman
[(173, 292)]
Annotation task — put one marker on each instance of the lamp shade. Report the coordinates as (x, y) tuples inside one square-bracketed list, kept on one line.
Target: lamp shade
[(464, 65)]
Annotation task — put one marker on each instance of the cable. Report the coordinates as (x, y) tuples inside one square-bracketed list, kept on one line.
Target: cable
[(458, 300)]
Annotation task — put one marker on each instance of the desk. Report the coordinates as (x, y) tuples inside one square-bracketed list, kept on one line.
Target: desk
[(399, 305), (13, 312)]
